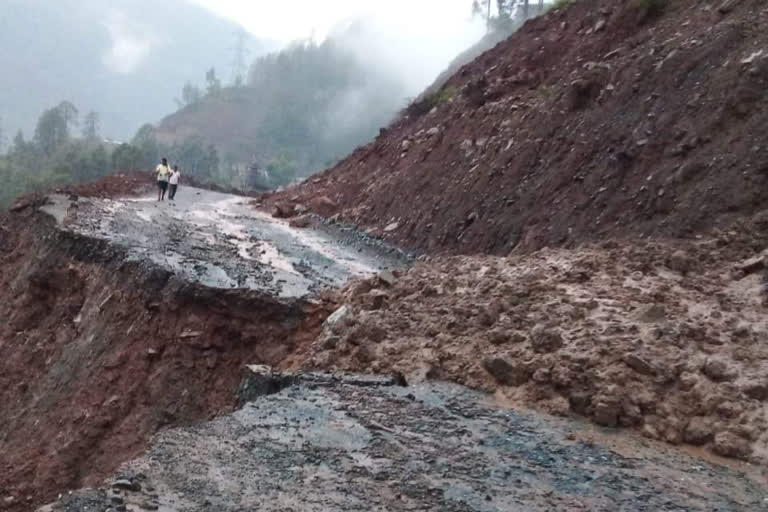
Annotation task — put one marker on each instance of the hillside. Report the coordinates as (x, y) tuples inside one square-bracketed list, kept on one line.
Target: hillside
[(126, 59), (600, 119), (301, 110)]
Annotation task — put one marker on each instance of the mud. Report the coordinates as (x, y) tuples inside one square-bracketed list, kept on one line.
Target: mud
[(329, 443), (666, 338), (219, 241)]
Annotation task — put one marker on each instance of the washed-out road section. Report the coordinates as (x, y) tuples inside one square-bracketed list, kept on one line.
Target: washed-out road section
[(323, 442), (220, 241)]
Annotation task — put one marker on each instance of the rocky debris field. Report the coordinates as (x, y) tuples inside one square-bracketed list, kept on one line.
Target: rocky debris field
[(321, 442), (668, 338), (600, 119), (218, 240)]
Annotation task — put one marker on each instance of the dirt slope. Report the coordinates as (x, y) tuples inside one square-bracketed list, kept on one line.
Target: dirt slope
[(668, 338), (606, 118)]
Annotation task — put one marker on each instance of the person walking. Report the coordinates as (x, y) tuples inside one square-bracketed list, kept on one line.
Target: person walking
[(173, 182), (162, 172)]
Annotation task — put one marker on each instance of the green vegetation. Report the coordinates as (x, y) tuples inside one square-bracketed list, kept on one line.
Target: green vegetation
[(423, 105), (297, 111), (53, 156), (559, 4)]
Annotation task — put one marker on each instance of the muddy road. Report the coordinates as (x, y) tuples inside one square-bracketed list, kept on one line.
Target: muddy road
[(347, 443), (220, 241)]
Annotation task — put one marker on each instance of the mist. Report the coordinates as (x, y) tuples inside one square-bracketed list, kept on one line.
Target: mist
[(412, 41)]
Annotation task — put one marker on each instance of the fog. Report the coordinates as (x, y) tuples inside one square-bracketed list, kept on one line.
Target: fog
[(413, 40)]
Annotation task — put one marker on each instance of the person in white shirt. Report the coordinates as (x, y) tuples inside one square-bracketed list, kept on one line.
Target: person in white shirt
[(174, 181)]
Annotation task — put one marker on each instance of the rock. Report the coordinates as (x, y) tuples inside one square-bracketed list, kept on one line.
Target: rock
[(756, 390), (606, 413), (323, 205), (19, 205), (126, 484), (148, 505), (507, 373), (729, 444), (727, 6), (639, 364), (376, 299), (116, 499), (680, 262), (330, 342), (472, 217), (600, 25), (387, 277), (653, 313), (300, 209), (754, 264), (302, 221), (337, 317), (698, 431), (391, 227), (433, 131), (282, 210), (718, 370), (544, 340), (405, 145)]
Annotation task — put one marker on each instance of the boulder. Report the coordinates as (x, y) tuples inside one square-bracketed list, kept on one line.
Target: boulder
[(639, 364), (302, 221), (729, 444), (507, 373), (323, 205), (718, 370)]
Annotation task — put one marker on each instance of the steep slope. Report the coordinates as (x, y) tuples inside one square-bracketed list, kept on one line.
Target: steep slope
[(601, 119)]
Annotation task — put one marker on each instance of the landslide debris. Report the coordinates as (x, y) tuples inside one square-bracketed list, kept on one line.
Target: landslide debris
[(603, 119), (666, 337)]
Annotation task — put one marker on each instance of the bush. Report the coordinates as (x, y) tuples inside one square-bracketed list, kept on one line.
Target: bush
[(426, 103)]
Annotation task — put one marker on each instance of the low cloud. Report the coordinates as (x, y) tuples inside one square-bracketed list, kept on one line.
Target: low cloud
[(131, 43)]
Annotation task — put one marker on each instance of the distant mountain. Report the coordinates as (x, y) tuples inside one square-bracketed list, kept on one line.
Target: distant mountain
[(300, 110), (125, 59)]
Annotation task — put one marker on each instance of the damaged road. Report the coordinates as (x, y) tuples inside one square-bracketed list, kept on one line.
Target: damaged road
[(220, 241), (325, 442)]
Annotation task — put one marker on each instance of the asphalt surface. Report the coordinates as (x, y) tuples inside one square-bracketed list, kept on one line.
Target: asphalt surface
[(221, 241), (325, 444)]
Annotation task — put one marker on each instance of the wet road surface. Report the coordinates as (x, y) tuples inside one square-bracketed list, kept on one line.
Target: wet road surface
[(329, 444), (220, 241)]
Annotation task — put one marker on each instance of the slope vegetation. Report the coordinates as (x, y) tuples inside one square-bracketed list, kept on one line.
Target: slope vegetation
[(600, 119)]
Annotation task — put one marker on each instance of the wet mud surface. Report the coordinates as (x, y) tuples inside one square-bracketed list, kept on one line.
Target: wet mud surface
[(220, 241), (325, 444)]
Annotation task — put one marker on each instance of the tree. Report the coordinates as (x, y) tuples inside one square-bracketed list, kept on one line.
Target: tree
[(91, 125), (51, 131), (127, 157), (146, 141), (190, 94), (214, 84)]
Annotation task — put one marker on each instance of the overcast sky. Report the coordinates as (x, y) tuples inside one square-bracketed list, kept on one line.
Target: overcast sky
[(416, 38)]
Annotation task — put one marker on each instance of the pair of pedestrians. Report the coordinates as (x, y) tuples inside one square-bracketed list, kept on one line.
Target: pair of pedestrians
[(165, 177)]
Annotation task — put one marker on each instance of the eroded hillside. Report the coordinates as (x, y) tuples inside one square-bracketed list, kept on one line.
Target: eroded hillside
[(602, 119)]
